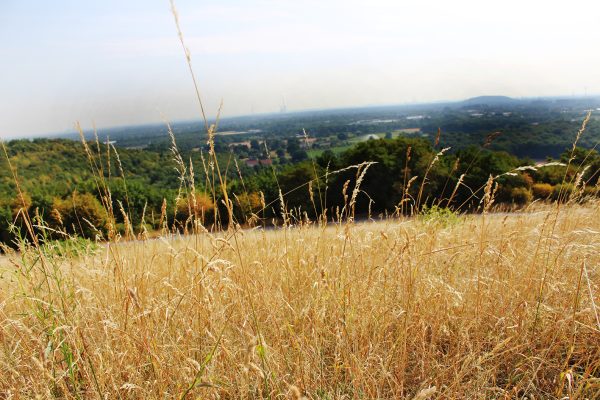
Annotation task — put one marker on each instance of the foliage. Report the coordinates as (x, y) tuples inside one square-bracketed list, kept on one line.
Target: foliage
[(199, 206), (407, 174), (591, 191), (73, 247), (562, 192), (521, 195), (439, 215), (80, 214), (541, 190), (534, 128)]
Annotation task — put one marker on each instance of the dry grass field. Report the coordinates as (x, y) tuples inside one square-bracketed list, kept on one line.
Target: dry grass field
[(493, 305), (487, 306)]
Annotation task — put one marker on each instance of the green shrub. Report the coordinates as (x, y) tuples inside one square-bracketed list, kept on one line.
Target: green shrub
[(440, 215), (202, 206), (562, 192), (591, 191), (80, 214), (520, 195), (541, 190)]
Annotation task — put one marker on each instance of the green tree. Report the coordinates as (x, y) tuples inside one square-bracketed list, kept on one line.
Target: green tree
[(80, 214)]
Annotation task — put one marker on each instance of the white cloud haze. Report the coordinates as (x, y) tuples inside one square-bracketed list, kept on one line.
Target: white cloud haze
[(116, 62)]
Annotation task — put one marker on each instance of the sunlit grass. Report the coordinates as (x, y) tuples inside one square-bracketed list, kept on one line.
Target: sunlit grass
[(486, 307), (439, 305)]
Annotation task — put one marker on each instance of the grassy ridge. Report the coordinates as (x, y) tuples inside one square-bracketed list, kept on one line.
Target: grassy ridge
[(481, 306), (440, 305)]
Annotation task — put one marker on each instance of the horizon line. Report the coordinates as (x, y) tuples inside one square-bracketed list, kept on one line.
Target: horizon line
[(52, 135)]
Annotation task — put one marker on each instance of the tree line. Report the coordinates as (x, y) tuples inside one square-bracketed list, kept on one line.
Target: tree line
[(140, 191)]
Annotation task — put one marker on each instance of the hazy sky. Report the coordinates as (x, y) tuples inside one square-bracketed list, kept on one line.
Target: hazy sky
[(119, 62)]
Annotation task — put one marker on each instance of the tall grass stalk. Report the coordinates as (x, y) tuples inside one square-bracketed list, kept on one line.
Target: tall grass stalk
[(490, 306)]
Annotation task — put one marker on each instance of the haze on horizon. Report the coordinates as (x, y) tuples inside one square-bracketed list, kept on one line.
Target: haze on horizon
[(120, 63)]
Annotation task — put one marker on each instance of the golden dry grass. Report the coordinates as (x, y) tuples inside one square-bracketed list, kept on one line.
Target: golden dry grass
[(494, 306), (487, 306)]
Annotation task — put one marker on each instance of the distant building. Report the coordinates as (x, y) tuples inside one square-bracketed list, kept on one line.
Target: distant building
[(251, 162)]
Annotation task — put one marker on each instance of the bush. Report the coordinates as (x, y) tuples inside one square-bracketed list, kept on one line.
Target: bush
[(520, 195), (562, 192), (591, 191), (541, 190), (202, 207), (81, 214), (5, 221), (20, 205), (247, 204), (440, 215)]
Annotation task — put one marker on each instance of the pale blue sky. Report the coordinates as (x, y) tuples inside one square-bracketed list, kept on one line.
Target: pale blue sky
[(120, 62)]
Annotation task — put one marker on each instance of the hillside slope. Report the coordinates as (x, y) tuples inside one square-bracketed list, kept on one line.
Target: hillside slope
[(479, 307)]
